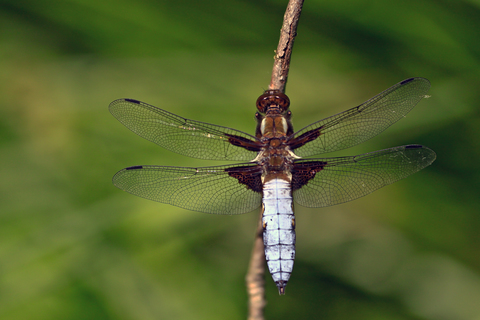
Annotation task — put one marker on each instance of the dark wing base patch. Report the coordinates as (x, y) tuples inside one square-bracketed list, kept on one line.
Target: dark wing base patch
[(250, 176), (302, 172)]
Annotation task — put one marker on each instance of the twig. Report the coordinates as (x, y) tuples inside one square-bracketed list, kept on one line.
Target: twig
[(285, 45), (255, 278)]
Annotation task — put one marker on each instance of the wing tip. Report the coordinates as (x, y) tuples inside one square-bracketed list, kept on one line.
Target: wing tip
[(429, 156)]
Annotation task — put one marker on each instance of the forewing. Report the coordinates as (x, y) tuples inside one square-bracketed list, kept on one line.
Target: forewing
[(207, 189), (187, 137), (347, 178), (361, 123)]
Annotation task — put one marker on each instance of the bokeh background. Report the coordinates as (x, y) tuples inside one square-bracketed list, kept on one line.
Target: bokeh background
[(72, 246)]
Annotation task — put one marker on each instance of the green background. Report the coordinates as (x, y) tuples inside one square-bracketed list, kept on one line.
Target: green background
[(72, 246)]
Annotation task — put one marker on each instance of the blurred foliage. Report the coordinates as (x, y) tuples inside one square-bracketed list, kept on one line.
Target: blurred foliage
[(74, 247)]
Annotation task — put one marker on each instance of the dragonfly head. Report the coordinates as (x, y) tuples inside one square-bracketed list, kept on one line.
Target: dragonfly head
[(274, 101)]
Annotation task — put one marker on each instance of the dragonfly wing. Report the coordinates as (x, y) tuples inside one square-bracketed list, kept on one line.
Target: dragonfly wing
[(361, 123), (187, 137), (330, 181), (218, 190)]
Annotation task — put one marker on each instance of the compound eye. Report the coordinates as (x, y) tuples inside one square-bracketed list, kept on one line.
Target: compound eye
[(263, 102), (283, 101)]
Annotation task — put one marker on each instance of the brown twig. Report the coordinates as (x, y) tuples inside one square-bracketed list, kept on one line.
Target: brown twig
[(285, 45), (255, 278)]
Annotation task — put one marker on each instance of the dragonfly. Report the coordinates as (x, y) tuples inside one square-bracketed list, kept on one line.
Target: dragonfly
[(274, 172)]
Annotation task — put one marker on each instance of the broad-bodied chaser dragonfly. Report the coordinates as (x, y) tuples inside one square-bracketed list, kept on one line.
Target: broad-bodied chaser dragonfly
[(277, 173)]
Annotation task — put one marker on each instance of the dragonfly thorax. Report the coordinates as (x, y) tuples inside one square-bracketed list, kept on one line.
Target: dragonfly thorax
[(275, 126)]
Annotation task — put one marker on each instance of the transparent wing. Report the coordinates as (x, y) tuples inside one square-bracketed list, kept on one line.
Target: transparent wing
[(207, 189), (187, 137), (343, 179), (361, 123)]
